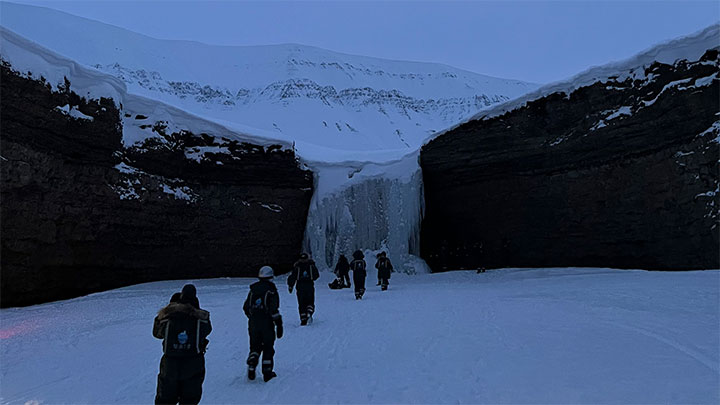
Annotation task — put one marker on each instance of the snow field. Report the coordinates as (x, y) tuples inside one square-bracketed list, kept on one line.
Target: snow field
[(505, 336)]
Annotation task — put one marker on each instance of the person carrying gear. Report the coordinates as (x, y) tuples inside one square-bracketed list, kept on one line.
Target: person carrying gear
[(377, 256), (384, 268), (262, 309), (342, 271), (183, 329), (302, 277), (359, 273)]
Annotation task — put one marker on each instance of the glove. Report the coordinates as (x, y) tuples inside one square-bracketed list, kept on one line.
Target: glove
[(290, 289), (279, 332)]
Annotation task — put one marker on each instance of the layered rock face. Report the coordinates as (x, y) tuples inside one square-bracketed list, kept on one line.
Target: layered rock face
[(622, 173), (83, 213)]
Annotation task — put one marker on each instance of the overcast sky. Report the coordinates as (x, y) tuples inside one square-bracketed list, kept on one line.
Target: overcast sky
[(537, 41)]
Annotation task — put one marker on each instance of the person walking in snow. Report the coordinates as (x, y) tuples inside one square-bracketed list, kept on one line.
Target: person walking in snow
[(264, 323), (342, 271), (302, 278), (359, 273), (384, 268), (183, 329)]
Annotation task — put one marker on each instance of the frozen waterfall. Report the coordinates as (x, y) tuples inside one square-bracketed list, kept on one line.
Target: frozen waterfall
[(367, 206)]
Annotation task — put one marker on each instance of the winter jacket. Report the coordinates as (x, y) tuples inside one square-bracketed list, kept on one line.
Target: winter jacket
[(384, 267), (262, 304), (183, 329), (342, 267), (304, 272)]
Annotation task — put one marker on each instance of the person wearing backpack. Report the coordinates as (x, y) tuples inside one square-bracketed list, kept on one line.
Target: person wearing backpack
[(359, 273), (264, 321), (384, 268), (183, 330), (302, 278), (342, 271)]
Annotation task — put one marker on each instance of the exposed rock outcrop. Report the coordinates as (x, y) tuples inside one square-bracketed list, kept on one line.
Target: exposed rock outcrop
[(620, 173), (82, 212)]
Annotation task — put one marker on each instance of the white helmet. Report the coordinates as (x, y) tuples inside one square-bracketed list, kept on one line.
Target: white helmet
[(265, 272)]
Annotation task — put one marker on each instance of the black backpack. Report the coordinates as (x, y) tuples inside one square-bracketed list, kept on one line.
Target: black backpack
[(258, 304), (181, 336), (305, 271), (358, 266)]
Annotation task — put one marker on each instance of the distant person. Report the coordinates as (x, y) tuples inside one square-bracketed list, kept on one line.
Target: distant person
[(262, 309), (359, 273), (342, 271), (303, 276), (384, 268), (184, 330)]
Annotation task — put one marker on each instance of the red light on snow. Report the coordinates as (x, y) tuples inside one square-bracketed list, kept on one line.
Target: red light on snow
[(21, 329)]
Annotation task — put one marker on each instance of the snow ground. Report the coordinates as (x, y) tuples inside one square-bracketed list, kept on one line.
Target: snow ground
[(505, 336)]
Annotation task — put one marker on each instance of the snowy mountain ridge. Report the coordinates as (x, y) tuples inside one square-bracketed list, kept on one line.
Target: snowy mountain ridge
[(448, 108), (303, 94), (690, 48)]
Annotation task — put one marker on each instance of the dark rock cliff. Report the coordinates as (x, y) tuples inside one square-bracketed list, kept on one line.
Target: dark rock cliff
[(82, 213), (620, 173)]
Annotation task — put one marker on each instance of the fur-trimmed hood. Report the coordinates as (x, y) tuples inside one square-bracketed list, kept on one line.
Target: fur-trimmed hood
[(177, 307)]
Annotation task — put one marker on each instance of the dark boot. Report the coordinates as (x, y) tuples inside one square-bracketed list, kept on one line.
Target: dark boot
[(269, 376)]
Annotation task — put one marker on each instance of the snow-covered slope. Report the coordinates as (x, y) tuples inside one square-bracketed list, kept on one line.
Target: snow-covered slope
[(308, 95), (37, 62), (508, 336), (690, 47)]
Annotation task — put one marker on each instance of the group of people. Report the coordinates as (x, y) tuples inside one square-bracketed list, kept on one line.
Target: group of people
[(184, 327), (342, 272)]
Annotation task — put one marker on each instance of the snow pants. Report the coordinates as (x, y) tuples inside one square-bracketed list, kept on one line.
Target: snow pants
[(359, 280), (306, 300), (345, 277), (180, 380), (384, 278), (262, 341)]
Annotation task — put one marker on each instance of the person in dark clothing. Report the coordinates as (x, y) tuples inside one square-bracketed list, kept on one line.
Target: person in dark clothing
[(183, 330), (264, 320), (359, 273), (342, 271), (175, 297), (384, 268), (377, 256), (302, 277)]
